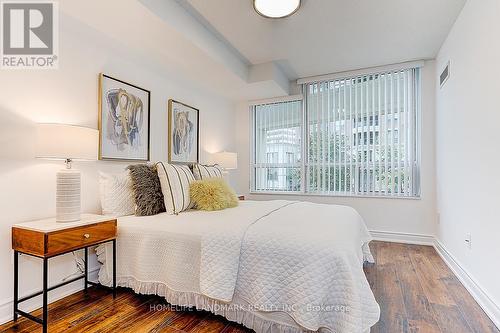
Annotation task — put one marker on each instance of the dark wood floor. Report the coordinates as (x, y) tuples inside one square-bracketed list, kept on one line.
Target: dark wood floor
[(415, 289), (417, 292)]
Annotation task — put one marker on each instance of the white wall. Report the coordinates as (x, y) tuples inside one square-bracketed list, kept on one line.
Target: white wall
[(393, 215), (467, 152), (69, 95)]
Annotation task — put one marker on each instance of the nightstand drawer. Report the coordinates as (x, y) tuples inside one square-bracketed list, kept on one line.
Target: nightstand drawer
[(66, 240), (47, 239)]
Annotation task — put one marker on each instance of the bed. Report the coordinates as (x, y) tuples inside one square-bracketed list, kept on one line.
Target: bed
[(273, 266)]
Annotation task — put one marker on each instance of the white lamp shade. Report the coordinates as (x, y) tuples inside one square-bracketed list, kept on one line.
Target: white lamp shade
[(58, 141), (226, 160)]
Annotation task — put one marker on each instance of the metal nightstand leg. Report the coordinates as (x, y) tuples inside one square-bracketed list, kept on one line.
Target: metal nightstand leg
[(86, 282), (45, 295), (114, 268), (45, 288), (16, 283)]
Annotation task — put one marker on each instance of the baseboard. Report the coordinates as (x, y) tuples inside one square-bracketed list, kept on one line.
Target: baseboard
[(477, 292), (491, 309), (402, 237), (6, 307)]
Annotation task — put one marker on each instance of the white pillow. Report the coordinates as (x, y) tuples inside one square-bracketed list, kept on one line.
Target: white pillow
[(117, 197), (175, 180), (201, 171)]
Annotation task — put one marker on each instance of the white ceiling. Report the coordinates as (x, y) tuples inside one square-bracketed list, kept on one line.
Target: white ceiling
[(163, 44), (327, 36), (224, 47)]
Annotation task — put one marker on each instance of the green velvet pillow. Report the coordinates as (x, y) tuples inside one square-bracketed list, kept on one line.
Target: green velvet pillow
[(212, 194)]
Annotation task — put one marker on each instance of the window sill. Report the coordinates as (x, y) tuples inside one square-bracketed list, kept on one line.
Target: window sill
[(344, 196)]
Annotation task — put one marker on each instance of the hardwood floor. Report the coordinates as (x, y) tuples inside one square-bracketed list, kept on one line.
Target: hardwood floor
[(417, 292), (415, 289)]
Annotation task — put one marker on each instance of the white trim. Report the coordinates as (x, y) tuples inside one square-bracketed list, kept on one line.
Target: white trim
[(477, 292), (6, 306), (334, 195), (491, 309), (281, 99), (251, 151), (402, 237), (363, 71)]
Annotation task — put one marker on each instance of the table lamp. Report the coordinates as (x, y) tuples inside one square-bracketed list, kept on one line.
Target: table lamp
[(68, 143), (226, 160)]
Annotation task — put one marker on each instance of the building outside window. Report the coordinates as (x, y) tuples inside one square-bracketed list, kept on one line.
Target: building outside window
[(354, 136)]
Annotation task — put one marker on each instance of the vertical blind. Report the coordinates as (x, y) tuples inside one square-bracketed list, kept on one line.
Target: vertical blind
[(277, 132), (358, 136)]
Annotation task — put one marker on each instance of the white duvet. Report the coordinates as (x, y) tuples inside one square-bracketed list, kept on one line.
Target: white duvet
[(301, 259)]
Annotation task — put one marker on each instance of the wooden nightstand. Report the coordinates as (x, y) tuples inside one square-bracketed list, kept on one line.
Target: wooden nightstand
[(241, 197), (46, 239)]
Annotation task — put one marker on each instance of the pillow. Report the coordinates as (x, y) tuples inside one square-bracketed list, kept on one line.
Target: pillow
[(147, 190), (116, 193), (201, 171), (213, 194), (175, 180)]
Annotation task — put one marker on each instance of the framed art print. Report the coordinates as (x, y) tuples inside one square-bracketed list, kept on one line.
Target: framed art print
[(183, 133), (124, 113)]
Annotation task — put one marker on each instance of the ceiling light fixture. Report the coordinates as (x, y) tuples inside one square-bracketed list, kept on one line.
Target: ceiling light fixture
[(276, 8)]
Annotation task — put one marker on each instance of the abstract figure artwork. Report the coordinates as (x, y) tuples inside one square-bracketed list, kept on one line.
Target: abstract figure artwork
[(123, 120), (182, 133)]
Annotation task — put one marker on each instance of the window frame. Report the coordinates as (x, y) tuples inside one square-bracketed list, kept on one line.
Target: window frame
[(253, 164), (416, 177)]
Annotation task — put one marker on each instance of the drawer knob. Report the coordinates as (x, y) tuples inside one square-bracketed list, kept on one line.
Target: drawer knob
[(86, 236)]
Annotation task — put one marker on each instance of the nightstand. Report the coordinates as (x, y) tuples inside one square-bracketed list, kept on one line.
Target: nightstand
[(46, 239), (241, 197)]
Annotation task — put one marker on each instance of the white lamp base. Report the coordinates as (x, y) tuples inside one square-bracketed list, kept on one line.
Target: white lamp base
[(68, 203)]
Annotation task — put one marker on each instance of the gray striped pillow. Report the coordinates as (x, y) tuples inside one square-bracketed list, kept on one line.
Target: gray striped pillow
[(201, 171), (175, 180)]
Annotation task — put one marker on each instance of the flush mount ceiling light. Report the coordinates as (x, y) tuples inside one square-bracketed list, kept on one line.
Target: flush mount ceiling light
[(276, 8)]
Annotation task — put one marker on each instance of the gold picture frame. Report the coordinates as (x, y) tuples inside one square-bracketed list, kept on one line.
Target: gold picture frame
[(121, 136), (183, 133)]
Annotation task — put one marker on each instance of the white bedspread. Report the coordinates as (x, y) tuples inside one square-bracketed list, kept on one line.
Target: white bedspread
[(298, 258)]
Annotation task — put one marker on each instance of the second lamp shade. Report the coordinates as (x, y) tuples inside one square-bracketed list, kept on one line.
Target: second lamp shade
[(226, 160)]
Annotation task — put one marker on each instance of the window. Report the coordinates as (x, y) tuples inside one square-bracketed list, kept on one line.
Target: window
[(277, 133), (352, 136)]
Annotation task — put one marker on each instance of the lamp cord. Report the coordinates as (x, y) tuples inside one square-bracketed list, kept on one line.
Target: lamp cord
[(80, 266)]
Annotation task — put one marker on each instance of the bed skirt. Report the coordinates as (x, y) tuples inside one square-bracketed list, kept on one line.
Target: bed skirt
[(229, 311)]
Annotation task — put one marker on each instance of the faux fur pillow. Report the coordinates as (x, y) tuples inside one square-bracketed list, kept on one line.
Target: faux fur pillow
[(212, 194), (147, 190)]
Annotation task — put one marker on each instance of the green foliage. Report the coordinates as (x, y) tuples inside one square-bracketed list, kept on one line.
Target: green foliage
[(338, 152)]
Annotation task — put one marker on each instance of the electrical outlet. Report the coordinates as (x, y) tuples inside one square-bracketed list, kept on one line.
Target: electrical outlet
[(468, 241)]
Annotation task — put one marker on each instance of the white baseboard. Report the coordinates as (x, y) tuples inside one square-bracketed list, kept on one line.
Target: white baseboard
[(485, 302), (401, 237), (491, 309), (472, 286), (7, 306)]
